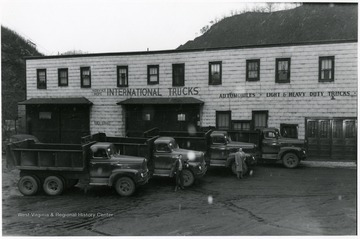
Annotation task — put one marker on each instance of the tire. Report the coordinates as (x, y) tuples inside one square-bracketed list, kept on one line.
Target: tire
[(125, 186), (53, 185), (189, 178), (28, 185), (290, 160)]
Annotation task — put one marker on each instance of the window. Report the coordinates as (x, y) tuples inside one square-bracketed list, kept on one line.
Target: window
[(215, 73), (223, 119), (350, 129), (337, 129), (41, 78), (282, 70), (289, 130), (252, 70), (241, 125), (153, 74), (312, 129), (146, 116), (326, 68), (178, 74), (324, 129), (181, 117), (100, 153), (260, 119), (162, 148), (85, 77), (45, 115), (122, 76), (63, 77)]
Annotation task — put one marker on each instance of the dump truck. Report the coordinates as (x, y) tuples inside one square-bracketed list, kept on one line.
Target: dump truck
[(161, 152), (55, 167), (217, 146)]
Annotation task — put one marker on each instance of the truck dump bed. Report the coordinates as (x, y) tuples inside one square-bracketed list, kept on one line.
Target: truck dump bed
[(28, 155), (132, 146)]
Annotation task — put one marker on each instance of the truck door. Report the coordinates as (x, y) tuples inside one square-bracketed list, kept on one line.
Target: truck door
[(162, 156), (100, 164), (270, 144), (218, 154)]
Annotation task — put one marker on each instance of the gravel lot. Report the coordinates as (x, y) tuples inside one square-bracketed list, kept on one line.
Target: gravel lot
[(273, 201)]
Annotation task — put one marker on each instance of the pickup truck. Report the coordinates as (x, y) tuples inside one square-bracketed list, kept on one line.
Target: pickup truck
[(55, 167), (274, 147), (218, 148), (162, 152)]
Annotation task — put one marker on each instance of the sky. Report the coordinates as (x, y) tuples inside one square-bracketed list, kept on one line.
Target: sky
[(100, 26)]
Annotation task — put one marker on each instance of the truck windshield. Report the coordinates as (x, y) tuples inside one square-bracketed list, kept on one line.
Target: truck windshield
[(173, 145), (112, 151)]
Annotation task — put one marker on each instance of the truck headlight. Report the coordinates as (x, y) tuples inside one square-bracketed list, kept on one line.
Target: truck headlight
[(200, 167), (142, 175)]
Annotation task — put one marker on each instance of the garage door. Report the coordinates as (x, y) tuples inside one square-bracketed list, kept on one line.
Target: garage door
[(332, 138)]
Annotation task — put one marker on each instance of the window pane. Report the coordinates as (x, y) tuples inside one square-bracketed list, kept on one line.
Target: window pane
[(350, 129), (338, 129), (324, 129), (223, 120), (260, 120), (312, 129), (215, 73)]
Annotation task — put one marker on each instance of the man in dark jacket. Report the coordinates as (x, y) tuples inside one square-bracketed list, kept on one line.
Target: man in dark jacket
[(178, 170)]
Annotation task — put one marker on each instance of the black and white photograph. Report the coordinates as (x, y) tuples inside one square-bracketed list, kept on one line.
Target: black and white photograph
[(175, 118)]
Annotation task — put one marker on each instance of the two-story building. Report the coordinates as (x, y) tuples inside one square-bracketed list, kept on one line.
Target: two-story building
[(306, 89)]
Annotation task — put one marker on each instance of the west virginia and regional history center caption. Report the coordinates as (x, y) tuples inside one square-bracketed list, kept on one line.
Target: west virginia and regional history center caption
[(66, 215)]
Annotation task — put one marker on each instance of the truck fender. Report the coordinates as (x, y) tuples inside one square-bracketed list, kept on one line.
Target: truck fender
[(230, 160), (121, 172), (285, 150)]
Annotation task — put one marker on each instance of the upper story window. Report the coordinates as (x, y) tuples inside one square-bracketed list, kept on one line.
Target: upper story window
[(215, 73), (85, 77), (326, 68), (178, 74), (253, 70), (63, 77), (41, 78), (122, 76), (153, 74), (282, 70)]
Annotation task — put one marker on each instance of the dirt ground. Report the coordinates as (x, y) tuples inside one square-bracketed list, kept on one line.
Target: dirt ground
[(273, 201)]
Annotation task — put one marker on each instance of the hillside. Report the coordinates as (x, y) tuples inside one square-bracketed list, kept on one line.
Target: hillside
[(13, 50), (307, 23)]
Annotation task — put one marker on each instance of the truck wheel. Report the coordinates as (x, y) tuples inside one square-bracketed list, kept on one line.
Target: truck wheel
[(290, 160), (125, 186), (188, 178), (53, 186), (28, 185)]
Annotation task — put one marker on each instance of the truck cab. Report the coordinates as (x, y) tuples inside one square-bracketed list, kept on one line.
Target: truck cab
[(221, 150), (286, 150), (165, 153), (108, 167)]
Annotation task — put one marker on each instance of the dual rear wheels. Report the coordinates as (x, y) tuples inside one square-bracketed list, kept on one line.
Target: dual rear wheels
[(30, 185)]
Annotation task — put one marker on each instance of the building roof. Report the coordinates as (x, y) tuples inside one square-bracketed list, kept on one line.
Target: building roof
[(161, 101), (56, 101), (309, 23)]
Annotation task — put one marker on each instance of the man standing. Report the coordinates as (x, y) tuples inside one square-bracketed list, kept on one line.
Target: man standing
[(178, 170), (241, 167)]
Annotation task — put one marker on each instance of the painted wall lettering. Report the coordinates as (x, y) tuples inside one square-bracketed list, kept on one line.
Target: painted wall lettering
[(102, 122), (183, 91)]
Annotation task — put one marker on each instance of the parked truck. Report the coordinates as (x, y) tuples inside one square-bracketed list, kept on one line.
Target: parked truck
[(217, 146), (162, 152), (55, 167)]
